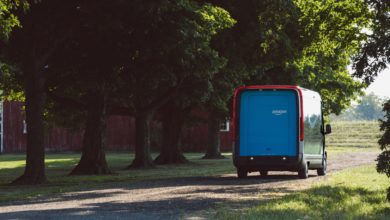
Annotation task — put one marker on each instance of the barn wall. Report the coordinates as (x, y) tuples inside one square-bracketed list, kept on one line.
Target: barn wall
[(194, 139), (120, 134), (14, 139), (61, 139)]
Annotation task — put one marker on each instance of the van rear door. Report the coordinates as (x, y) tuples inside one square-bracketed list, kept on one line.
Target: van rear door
[(268, 123)]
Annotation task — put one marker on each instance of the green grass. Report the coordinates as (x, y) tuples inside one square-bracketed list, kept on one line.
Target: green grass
[(58, 167), (358, 193), (357, 134), (353, 136), (332, 150)]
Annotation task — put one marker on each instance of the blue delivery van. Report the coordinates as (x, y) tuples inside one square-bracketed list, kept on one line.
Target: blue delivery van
[(278, 128)]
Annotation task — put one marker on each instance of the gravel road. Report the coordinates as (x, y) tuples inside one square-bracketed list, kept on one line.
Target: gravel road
[(184, 198)]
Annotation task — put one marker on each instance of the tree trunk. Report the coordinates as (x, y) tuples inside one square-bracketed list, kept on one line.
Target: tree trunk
[(172, 124), (34, 172), (143, 158), (93, 158), (214, 140)]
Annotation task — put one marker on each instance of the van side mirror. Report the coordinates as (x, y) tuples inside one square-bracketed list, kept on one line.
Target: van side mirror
[(328, 129)]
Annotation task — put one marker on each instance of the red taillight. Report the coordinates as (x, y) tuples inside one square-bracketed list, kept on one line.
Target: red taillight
[(302, 118), (234, 113)]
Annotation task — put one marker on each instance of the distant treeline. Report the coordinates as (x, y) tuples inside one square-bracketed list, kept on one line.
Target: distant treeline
[(369, 108)]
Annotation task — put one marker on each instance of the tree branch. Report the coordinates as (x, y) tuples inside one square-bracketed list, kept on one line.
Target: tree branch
[(161, 100), (66, 101)]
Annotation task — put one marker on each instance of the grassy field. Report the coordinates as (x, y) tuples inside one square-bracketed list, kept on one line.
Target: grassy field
[(59, 165), (358, 193), (357, 135)]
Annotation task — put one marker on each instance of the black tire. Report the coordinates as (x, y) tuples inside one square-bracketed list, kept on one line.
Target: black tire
[(241, 173), (303, 172), (264, 173), (322, 171)]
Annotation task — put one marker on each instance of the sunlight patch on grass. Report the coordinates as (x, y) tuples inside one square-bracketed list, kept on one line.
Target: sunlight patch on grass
[(58, 166), (12, 164), (357, 193)]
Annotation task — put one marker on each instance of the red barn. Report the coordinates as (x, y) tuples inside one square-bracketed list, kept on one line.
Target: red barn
[(120, 134)]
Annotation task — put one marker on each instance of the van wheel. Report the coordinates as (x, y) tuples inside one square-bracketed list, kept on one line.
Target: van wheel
[(263, 172), (241, 173), (303, 172), (322, 171)]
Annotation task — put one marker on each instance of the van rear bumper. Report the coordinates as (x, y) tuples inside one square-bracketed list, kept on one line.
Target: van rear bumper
[(272, 163)]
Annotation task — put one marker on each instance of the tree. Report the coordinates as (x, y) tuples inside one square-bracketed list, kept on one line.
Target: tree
[(194, 91), (301, 42), (265, 36), (213, 150), (173, 116), (374, 53), (207, 20), (44, 26), (88, 77), (334, 30), (174, 37), (369, 108), (91, 110), (373, 57), (383, 165)]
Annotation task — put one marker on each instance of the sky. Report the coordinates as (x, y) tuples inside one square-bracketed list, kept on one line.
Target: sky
[(381, 85)]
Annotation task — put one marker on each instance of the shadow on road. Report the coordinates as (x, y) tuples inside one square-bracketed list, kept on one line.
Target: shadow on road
[(224, 180), (173, 204)]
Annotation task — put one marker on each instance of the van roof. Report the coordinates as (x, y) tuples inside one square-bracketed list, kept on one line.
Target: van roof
[(270, 87), (295, 87)]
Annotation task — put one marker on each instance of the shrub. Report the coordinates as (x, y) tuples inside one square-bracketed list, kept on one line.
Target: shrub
[(383, 165)]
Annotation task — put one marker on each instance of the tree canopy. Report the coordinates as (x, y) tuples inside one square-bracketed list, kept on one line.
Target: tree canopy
[(43, 27), (374, 52), (335, 31), (8, 20), (173, 36), (142, 58)]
